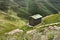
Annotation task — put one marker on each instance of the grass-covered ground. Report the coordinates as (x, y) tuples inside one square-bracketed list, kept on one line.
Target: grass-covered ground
[(54, 18), (11, 22)]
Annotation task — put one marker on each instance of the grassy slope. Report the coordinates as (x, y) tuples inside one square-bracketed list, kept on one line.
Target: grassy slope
[(9, 22), (51, 19), (48, 20)]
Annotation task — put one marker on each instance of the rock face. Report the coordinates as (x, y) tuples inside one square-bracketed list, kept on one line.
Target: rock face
[(54, 27), (14, 31)]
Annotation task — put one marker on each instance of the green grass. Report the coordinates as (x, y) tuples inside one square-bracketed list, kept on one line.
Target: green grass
[(26, 28), (51, 19), (10, 22)]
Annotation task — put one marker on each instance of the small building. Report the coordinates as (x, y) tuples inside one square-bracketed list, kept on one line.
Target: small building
[(35, 19)]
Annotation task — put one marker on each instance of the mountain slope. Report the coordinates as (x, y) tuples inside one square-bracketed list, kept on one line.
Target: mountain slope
[(9, 22)]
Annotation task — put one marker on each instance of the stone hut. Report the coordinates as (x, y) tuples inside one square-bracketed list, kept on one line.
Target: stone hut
[(35, 19)]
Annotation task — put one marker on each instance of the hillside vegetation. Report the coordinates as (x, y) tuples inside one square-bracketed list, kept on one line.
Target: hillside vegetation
[(54, 18), (11, 22), (14, 18)]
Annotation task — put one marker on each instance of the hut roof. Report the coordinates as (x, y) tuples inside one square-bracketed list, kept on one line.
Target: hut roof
[(37, 16)]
